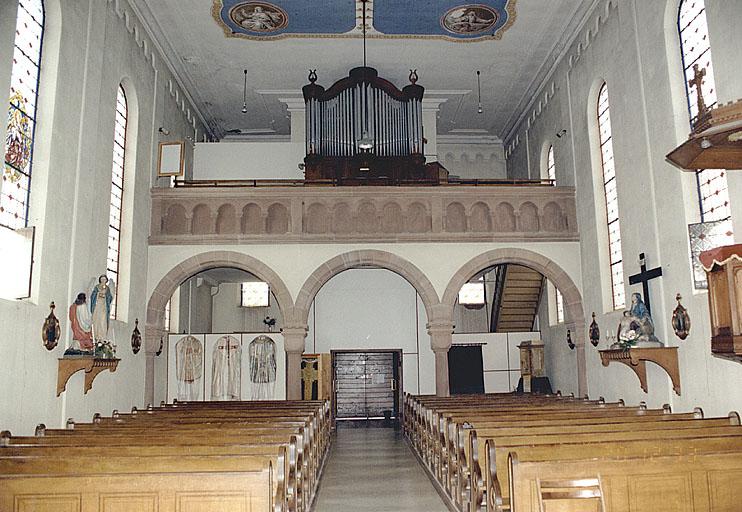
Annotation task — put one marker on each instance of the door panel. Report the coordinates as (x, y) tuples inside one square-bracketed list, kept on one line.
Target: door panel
[(366, 384)]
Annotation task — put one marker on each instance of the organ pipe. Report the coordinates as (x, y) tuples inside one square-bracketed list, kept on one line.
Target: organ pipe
[(363, 103)]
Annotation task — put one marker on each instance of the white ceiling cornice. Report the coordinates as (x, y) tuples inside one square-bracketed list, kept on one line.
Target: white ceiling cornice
[(173, 63), (582, 14)]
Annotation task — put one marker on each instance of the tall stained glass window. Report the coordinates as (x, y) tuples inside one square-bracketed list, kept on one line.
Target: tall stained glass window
[(15, 186), (117, 193), (713, 193), (611, 199), (550, 167)]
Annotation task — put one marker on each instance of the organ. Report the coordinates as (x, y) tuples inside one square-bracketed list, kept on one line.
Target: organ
[(363, 130)]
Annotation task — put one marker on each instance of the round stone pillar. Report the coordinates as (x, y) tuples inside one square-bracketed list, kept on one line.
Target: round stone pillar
[(293, 342), (152, 337), (441, 338)]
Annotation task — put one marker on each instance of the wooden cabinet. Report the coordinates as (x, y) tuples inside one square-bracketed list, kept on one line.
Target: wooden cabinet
[(724, 270)]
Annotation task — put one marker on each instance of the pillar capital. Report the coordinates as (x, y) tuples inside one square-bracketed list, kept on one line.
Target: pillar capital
[(293, 337), (152, 337)]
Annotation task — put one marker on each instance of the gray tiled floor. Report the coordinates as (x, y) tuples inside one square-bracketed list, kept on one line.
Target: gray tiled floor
[(373, 469)]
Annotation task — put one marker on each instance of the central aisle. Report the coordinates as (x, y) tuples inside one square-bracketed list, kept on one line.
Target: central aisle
[(373, 469)]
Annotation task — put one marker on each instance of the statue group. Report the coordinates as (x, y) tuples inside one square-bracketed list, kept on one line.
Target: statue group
[(89, 321), (636, 328)]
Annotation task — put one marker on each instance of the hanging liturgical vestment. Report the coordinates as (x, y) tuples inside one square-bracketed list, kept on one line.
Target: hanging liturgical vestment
[(262, 367), (189, 354), (226, 369)]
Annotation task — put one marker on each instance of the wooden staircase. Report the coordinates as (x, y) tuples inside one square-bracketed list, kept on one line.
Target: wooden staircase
[(517, 300)]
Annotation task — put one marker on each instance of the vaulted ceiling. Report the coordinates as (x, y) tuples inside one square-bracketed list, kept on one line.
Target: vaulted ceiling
[(513, 44)]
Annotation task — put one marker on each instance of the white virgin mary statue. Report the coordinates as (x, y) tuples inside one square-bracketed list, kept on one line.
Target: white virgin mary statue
[(101, 298)]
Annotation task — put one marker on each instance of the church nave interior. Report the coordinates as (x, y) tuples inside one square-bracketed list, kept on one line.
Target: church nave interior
[(283, 255)]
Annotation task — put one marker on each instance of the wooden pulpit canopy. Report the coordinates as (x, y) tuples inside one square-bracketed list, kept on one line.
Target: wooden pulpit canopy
[(716, 141), (723, 267)]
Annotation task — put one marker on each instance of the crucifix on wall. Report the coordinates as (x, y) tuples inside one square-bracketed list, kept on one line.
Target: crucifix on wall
[(644, 277), (697, 82)]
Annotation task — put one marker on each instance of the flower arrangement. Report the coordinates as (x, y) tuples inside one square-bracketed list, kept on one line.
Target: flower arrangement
[(628, 339), (105, 349)]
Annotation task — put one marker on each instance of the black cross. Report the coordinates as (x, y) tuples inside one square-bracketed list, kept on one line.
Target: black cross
[(644, 277)]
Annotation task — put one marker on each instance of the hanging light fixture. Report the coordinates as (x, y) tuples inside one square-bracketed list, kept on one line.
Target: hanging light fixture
[(365, 143), (244, 95), (479, 95)]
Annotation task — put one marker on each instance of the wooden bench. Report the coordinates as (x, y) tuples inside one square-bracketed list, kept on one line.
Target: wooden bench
[(698, 482), (247, 456), (451, 436)]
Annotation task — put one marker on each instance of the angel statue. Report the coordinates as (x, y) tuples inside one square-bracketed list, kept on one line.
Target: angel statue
[(101, 298)]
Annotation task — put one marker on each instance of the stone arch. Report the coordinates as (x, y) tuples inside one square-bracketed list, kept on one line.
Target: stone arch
[(529, 221), (205, 261), (366, 218), (154, 327), (480, 220), (277, 221), (365, 258), (174, 222), (342, 218), (574, 310), (226, 219), (455, 218), (418, 219), (252, 219), (392, 220), (505, 218), (553, 218), (317, 219), (202, 221)]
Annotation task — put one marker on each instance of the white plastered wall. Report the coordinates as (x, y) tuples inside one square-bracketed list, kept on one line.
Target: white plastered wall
[(89, 48), (634, 48)]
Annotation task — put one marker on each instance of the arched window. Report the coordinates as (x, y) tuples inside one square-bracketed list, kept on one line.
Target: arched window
[(15, 186), (117, 193), (559, 306), (611, 199), (550, 167), (713, 194)]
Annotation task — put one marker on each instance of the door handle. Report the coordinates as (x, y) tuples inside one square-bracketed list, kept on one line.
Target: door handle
[(394, 384)]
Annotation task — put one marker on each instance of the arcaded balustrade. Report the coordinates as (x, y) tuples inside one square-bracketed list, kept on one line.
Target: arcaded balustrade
[(197, 215)]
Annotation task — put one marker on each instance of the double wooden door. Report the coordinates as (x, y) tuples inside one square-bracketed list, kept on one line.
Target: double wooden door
[(366, 384)]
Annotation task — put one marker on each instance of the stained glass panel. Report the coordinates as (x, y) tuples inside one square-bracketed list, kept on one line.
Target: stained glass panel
[(713, 193), (611, 199), (117, 192), (15, 185), (704, 236)]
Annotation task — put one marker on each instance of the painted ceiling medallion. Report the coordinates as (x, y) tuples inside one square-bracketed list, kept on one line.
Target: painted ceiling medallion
[(277, 19), (453, 20), (469, 19), (261, 17)]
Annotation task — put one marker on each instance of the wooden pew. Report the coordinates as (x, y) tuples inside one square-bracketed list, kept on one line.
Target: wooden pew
[(699, 481), (581, 429), (279, 464)]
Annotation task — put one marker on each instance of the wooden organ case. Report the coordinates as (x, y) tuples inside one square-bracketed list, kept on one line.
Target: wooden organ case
[(365, 131)]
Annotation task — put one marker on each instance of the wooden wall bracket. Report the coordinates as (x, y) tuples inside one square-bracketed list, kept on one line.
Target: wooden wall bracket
[(636, 358), (92, 366)]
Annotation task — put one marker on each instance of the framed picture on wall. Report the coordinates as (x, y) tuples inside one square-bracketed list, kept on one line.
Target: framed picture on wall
[(170, 161)]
